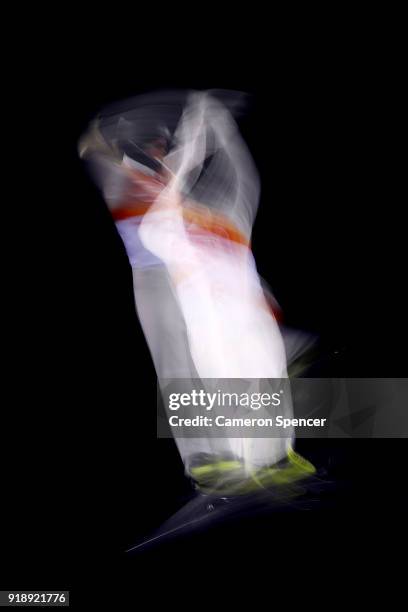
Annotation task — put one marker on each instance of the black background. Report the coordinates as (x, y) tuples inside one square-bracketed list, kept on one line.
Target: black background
[(85, 476)]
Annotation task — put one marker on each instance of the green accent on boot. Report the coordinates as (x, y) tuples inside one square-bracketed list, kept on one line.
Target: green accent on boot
[(218, 466), (300, 462), (297, 469), (227, 478)]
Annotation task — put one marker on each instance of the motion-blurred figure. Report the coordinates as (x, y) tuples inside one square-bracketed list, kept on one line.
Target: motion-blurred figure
[(183, 190)]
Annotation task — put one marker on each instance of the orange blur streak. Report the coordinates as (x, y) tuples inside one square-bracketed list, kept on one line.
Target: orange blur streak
[(214, 223)]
